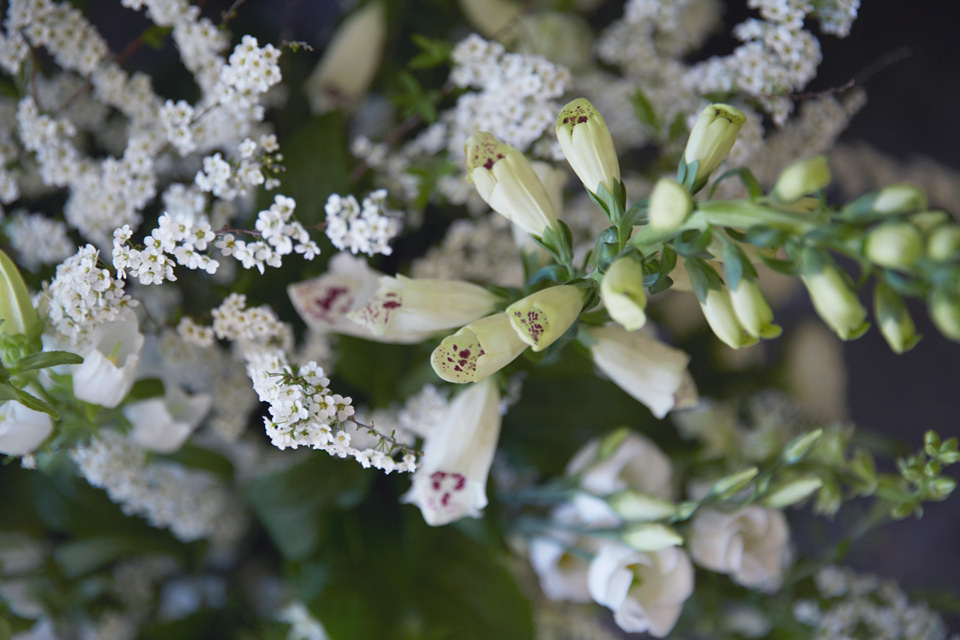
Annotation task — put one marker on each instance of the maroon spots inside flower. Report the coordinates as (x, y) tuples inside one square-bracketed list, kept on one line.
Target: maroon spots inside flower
[(391, 304), (581, 119), (532, 323), (445, 486)]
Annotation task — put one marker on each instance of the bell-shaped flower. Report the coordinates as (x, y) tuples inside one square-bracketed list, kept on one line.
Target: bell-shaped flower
[(17, 314), (623, 295), (752, 310), (670, 204), (711, 139), (835, 302), (507, 182), (478, 350), (350, 60), (110, 363), (647, 369), (451, 481), (542, 317), (406, 306), (587, 145), (723, 320), (645, 591), (752, 545), (163, 424), (21, 428)]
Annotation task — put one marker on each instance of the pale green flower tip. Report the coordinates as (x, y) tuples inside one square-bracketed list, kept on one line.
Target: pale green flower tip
[(652, 537), (712, 137), (802, 178), (483, 149), (587, 145), (897, 245), (670, 205), (455, 359), (752, 311), (634, 506), (945, 312), (791, 492), (900, 198), (541, 318), (943, 244), (720, 315), (836, 303), (623, 294), (16, 310)]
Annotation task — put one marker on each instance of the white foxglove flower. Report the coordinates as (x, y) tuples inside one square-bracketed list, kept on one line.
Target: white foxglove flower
[(451, 481), (478, 350), (350, 60), (711, 139), (542, 317), (22, 429), (647, 369), (163, 424), (623, 294), (646, 591), (587, 145), (404, 306), (110, 364), (723, 320), (507, 182), (752, 545)]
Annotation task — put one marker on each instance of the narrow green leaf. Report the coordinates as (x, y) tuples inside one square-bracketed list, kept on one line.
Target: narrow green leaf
[(46, 359)]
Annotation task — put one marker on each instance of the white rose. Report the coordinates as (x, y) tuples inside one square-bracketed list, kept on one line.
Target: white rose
[(752, 545), (646, 591)]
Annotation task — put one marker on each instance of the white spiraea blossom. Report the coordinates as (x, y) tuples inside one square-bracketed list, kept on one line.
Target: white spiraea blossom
[(366, 227), (163, 424), (411, 305), (110, 363), (645, 591), (647, 369), (752, 545), (21, 428), (451, 481)]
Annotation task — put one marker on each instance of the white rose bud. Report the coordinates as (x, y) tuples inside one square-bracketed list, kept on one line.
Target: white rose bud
[(587, 145), (670, 204), (623, 295), (897, 245), (801, 178), (508, 183), (478, 350), (542, 317), (711, 139)]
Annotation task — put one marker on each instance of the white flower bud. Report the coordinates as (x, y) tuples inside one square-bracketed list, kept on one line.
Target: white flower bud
[(404, 306), (22, 429), (752, 310), (623, 295), (945, 312), (711, 139), (650, 371), (451, 481), (801, 178), (899, 198), (478, 350), (542, 317), (350, 60), (894, 320), (792, 492), (587, 145), (651, 536), (634, 506), (670, 204), (943, 245), (164, 424), (507, 182), (897, 245), (836, 302), (16, 311), (723, 320)]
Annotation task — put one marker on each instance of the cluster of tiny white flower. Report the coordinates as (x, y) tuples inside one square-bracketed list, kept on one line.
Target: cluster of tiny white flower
[(855, 604), (252, 327), (82, 296), (362, 228), (228, 180), (38, 239), (192, 504), (305, 412)]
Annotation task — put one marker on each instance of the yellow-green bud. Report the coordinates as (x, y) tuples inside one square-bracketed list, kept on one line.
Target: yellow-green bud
[(493, 18), (711, 139), (801, 178), (542, 317), (634, 506), (622, 293), (670, 204), (945, 311), (478, 350), (926, 221), (891, 200), (587, 145), (897, 245), (836, 302), (16, 310), (894, 320), (723, 321), (752, 310), (791, 492), (507, 182), (943, 245), (651, 537)]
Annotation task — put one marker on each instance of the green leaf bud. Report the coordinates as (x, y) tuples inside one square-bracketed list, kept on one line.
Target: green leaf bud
[(17, 314), (801, 178), (799, 446), (894, 320), (943, 243), (791, 492), (897, 245), (891, 200), (945, 312), (634, 506), (929, 220), (670, 204), (651, 537), (729, 485), (941, 488)]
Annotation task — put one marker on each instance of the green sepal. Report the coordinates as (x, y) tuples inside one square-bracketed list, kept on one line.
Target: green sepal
[(747, 178), (785, 267), (904, 284), (612, 204), (730, 485), (644, 111), (45, 359), (636, 215), (702, 278), (736, 265), (433, 53), (800, 446), (552, 272), (693, 242), (558, 240), (765, 237), (661, 281)]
